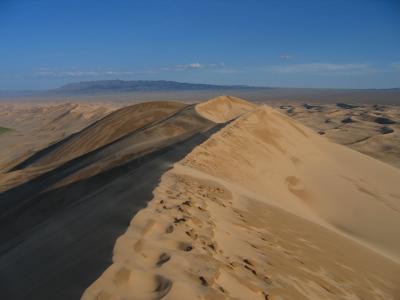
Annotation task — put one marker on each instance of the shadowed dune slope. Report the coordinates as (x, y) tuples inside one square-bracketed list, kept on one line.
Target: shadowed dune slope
[(57, 229), (256, 207), (108, 129), (36, 125), (264, 209), (21, 201)]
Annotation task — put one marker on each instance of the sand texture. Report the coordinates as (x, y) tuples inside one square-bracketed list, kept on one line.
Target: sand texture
[(223, 199), (264, 209), (65, 219), (37, 125)]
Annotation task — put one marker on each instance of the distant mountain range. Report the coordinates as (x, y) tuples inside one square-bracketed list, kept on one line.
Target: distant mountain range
[(145, 90), (140, 86)]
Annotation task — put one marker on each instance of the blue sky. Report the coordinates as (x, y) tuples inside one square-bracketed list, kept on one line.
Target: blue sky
[(321, 43)]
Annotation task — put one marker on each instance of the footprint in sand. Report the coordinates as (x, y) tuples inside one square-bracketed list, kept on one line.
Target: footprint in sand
[(164, 257), (152, 287), (169, 229), (297, 188), (122, 277), (151, 226), (139, 245), (184, 246), (164, 285), (104, 296)]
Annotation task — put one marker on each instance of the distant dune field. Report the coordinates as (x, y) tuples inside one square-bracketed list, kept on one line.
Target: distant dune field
[(370, 129)]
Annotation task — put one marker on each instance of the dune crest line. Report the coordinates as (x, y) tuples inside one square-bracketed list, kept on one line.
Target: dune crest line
[(250, 214), (67, 215)]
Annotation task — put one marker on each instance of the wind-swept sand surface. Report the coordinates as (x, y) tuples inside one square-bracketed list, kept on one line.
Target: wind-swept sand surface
[(264, 209), (35, 125), (105, 131), (59, 221)]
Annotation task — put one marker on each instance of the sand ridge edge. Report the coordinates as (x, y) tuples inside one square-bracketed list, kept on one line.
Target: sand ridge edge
[(210, 234)]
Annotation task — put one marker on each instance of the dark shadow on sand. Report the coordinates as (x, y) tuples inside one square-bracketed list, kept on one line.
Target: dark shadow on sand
[(57, 245)]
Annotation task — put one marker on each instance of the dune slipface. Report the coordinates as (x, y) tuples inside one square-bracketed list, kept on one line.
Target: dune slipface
[(219, 200), (263, 209)]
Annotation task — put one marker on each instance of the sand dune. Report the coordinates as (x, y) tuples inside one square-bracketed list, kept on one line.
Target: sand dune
[(292, 167), (115, 126), (264, 209), (223, 108), (360, 127), (105, 131), (67, 216), (243, 202), (37, 125)]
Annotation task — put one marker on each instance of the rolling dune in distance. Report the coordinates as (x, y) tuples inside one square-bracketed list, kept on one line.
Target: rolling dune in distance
[(105, 131), (35, 125), (372, 129)]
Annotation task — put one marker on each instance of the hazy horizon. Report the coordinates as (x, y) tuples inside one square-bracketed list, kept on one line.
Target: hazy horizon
[(196, 83)]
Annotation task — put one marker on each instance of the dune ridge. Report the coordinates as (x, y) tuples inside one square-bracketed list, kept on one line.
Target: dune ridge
[(63, 220), (36, 125), (250, 214), (110, 129), (242, 201), (223, 108), (107, 130), (294, 168)]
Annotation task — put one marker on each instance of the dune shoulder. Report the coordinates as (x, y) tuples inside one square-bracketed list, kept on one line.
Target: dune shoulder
[(224, 108), (263, 209)]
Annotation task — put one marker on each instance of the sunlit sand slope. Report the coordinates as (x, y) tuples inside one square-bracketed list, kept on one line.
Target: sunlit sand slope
[(264, 209), (58, 228), (224, 108), (292, 167), (37, 125), (107, 130)]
